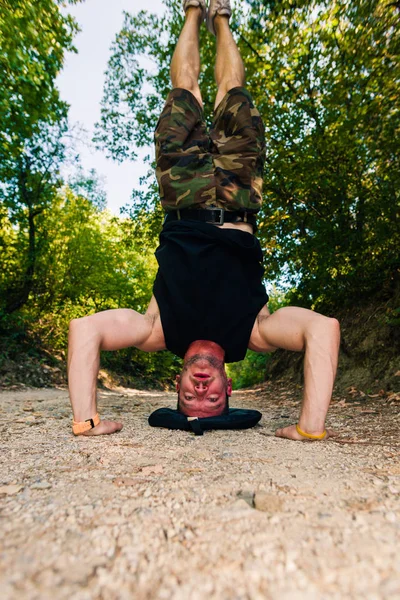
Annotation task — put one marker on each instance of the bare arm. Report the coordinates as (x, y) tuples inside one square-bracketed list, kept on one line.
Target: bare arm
[(108, 330), (299, 329)]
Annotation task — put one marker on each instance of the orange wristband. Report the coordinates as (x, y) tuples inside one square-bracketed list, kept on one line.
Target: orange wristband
[(82, 426), (311, 436)]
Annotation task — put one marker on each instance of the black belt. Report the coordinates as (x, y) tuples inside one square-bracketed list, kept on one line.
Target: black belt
[(216, 216)]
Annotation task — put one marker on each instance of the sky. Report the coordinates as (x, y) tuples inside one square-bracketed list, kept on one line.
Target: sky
[(81, 85)]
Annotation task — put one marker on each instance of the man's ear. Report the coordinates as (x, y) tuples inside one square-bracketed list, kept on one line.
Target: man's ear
[(229, 387), (177, 382)]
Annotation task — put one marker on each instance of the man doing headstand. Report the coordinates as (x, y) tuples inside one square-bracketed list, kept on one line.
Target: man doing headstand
[(209, 303)]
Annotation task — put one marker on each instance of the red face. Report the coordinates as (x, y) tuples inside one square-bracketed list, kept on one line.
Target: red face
[(203, 385)]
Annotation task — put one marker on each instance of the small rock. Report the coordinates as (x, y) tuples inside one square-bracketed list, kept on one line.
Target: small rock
[(156, 469), (241, 505), (41, 485), (10, 490), (125, 481), (268, 502), (275, 520), (377, 482), (247, 496), (79, 574), (391, 517)]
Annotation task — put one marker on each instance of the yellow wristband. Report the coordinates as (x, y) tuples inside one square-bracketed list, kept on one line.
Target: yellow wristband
[(82, 426), (311, 436)]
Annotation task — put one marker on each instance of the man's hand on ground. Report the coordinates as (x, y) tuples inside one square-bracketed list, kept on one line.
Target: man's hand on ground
[(291, 433), (104, 428)]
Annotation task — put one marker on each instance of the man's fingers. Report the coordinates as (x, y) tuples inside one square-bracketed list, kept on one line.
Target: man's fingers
[(105, 428)]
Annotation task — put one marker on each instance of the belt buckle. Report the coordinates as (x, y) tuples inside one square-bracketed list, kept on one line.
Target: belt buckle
[(219, 212)]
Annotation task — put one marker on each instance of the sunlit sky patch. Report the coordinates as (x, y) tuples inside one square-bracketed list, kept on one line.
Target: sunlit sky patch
[(81, 85)]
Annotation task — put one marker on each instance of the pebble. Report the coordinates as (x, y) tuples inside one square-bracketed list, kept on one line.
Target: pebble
[(125, 481), (275, 519), (241, 505), (268, 502), (10, 490), (156, 469), (41, 485), (391, 517), (247, 496)]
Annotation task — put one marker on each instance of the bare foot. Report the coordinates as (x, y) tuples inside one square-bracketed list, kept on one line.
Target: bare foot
[(104, 428), (291, 433)]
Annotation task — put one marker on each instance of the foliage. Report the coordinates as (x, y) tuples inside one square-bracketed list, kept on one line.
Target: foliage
[(87, 262), (324, 76), (327, 87), (253, 369), (90, 186), (62, 255), (34, 39), (29, 185), (250, 371), (138, 81)]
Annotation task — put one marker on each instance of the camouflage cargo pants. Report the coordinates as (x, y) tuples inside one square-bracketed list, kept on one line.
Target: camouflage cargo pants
[(222, 167)]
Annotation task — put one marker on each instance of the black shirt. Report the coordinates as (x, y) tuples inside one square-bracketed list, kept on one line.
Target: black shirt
[(208, 286)]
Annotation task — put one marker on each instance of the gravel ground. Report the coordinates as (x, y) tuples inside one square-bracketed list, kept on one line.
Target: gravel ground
[(156, 514)]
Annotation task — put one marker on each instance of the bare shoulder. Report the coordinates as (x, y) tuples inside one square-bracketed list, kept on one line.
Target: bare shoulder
[(256, 342), (152, 309), (263, 314), (155, 340)]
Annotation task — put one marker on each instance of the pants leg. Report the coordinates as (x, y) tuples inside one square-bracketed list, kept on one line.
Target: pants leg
[(238, 141), (185, 170)]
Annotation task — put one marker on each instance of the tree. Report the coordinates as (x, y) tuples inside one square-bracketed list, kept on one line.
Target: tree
[(62, 255), (325, 77), (33, 121), (30, 185), (34, 37), (88, 260), (328, 78), (90, 186)]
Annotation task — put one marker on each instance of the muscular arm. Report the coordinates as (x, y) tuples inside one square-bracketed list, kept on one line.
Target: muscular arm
[(108, 330), (299, 329)]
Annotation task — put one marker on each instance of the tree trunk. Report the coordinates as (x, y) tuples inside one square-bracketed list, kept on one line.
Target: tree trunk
[(18, 294)]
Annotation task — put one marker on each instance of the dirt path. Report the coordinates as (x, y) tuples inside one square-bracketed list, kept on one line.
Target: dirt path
[(154, 514)]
